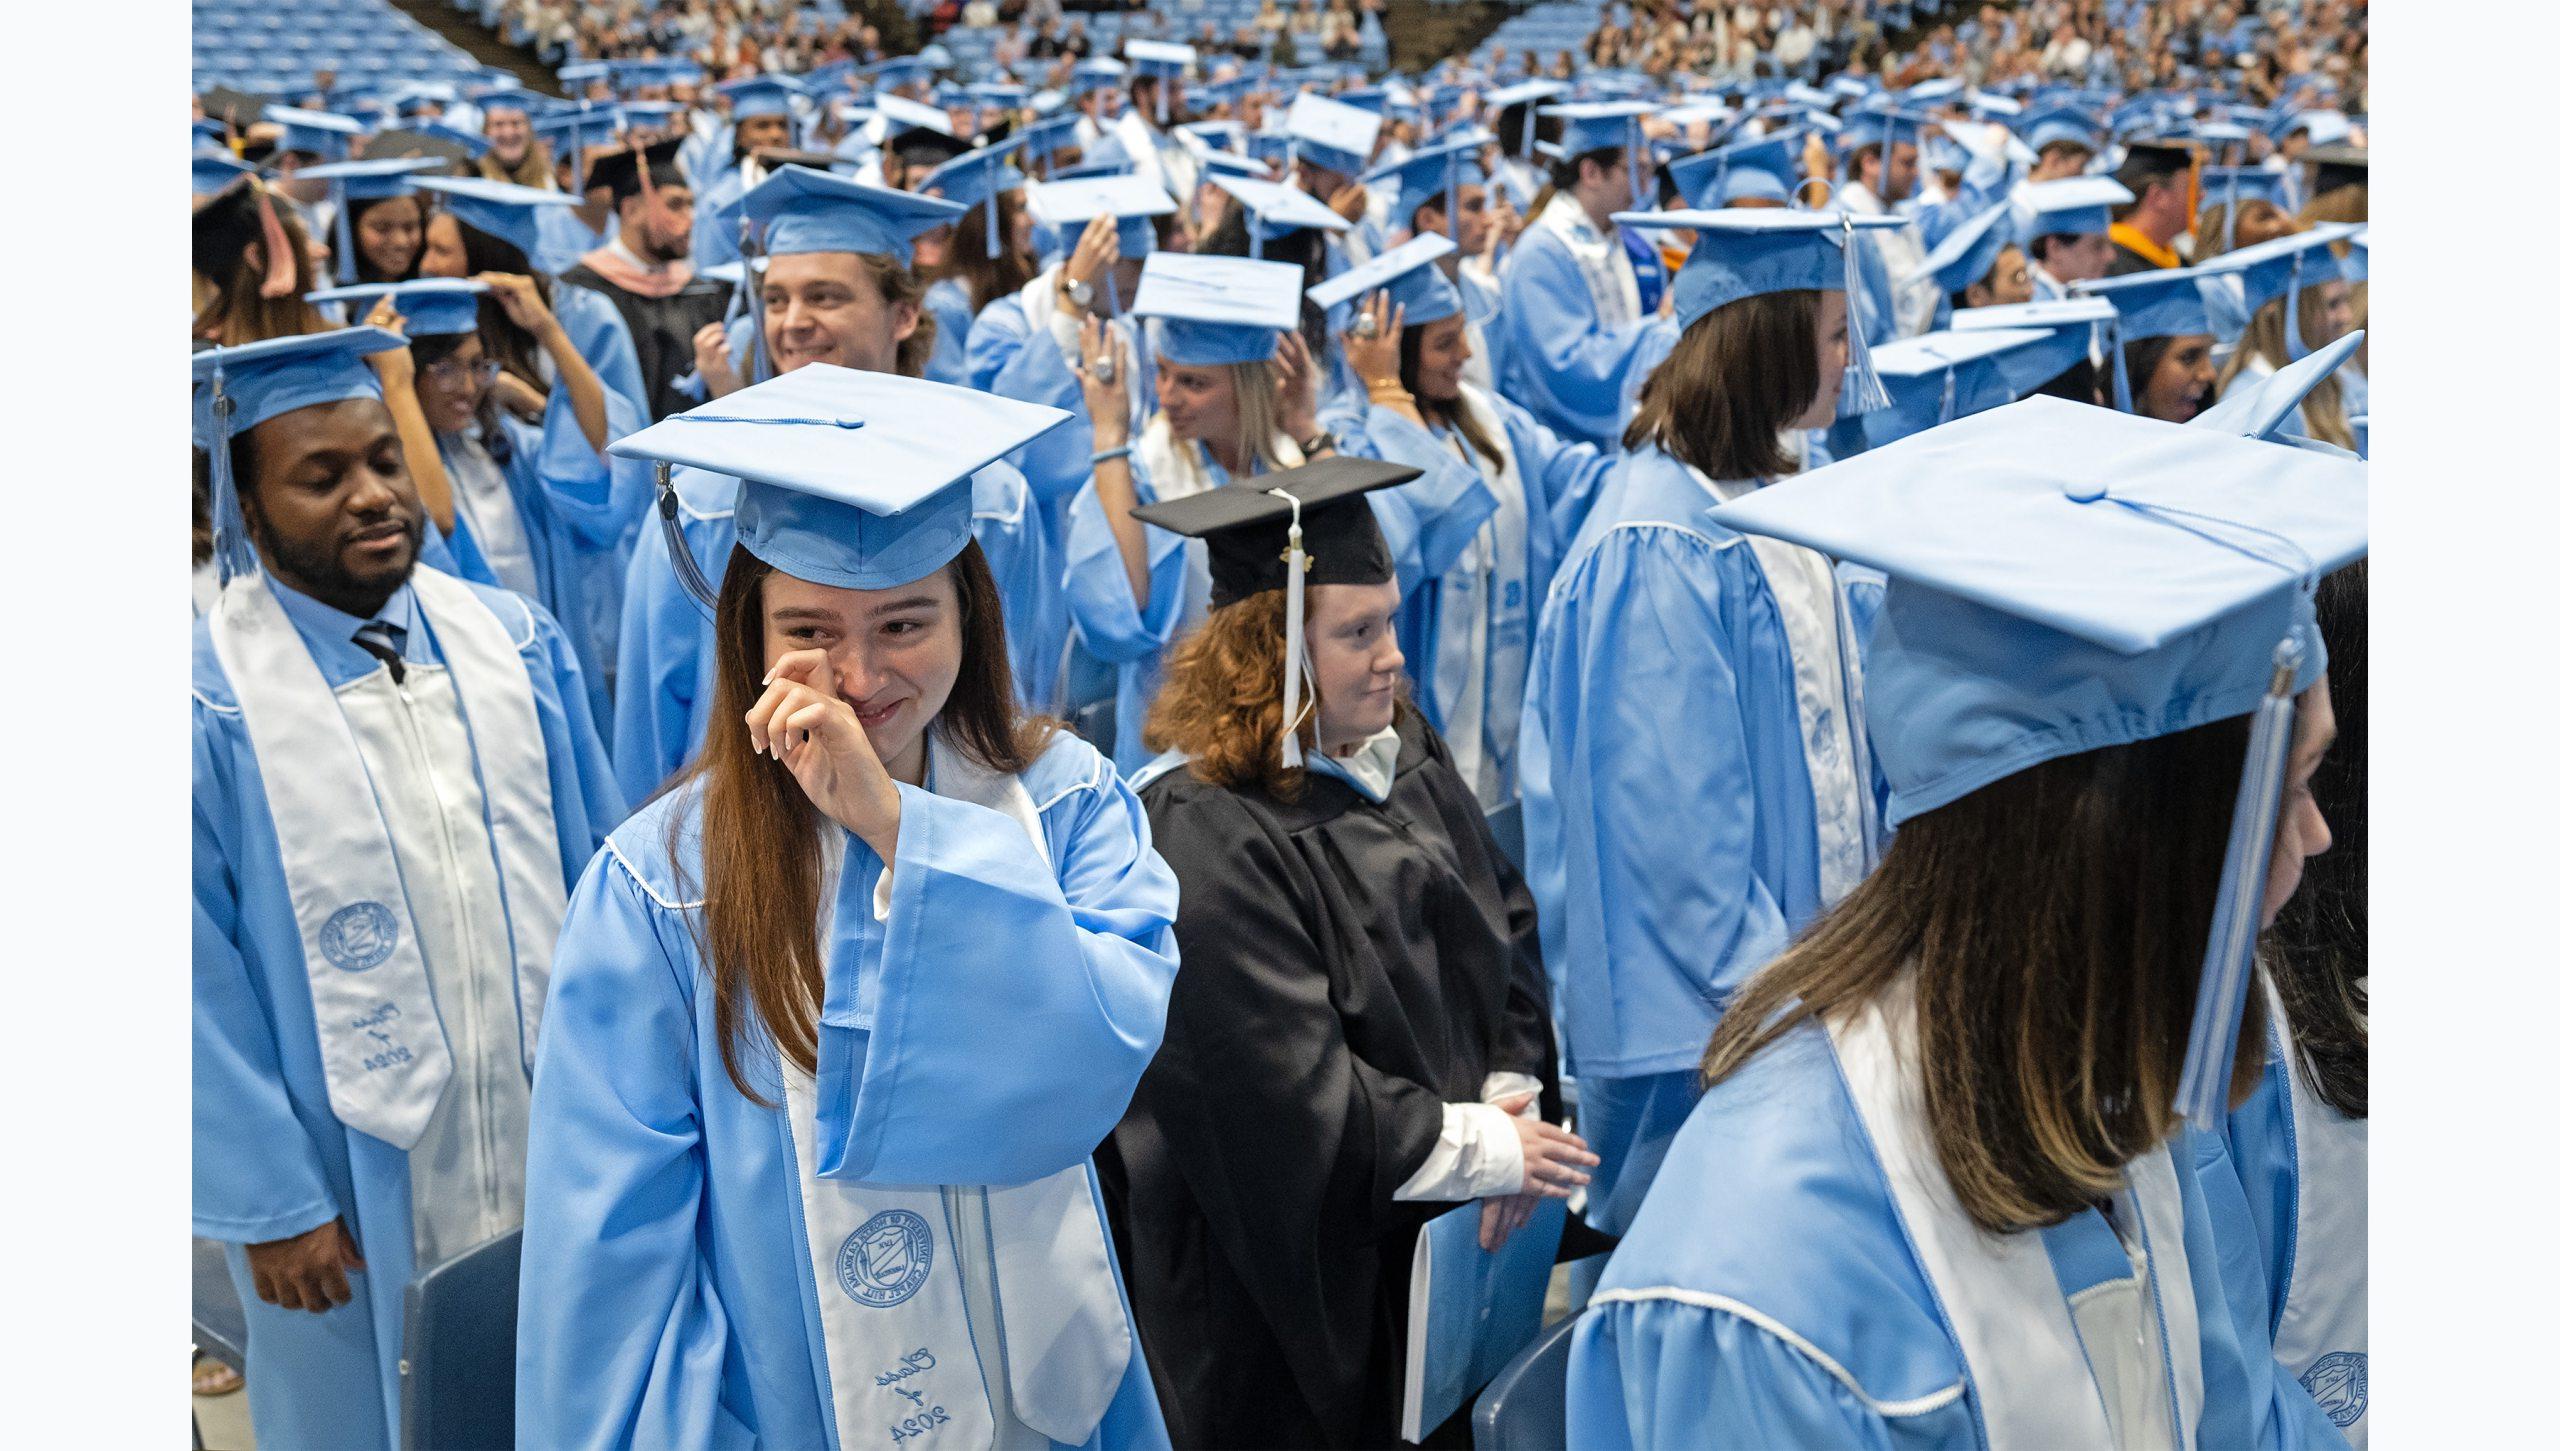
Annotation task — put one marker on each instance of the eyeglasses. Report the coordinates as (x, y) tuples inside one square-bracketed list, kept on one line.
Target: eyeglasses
[(453, 370)]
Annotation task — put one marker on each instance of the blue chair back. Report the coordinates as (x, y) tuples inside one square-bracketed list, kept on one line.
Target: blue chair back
[(1523, 1409), (1510, 833), (458, 1363)]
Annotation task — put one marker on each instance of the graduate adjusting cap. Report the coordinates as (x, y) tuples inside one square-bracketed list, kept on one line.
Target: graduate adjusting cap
[(236, 389), (1411, 276), (1213, 310), (1131, 200), (502, 209), (847, 478), (429, 307), (2063, 579), (1247, 526), (1274, 209)]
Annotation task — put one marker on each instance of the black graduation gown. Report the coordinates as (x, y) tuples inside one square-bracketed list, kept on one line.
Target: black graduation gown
[(1347, 968), (662, 330)]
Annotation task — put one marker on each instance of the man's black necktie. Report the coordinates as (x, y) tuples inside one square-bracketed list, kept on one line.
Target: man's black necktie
[(381, 639)]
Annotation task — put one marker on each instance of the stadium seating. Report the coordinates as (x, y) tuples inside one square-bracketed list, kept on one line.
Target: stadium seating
[(275, 46)]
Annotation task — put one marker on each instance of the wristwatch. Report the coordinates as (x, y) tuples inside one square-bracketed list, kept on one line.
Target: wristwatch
[(1079, 293), (1323, 439)]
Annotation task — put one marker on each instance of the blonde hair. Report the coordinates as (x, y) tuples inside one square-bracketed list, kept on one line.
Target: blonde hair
[(1257, 419), (2324, 412)]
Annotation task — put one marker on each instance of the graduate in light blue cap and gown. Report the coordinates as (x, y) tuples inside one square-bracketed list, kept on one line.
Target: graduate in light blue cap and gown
[(536, 508), (384, 191), (837, 291), (1330, 144), (1442, 188), (377, 883), (1874, 180), (2063, 225), (2296, 296), (1945, 1186), (1693, 750), (1572, 313), (1476, 538), (1156, 72), (1236, 396), (834, 1034), (760, 118), (988, 255), (1026, 346), (2160, 346)]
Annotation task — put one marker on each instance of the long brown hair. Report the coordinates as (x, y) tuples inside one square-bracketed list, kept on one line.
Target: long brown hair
[(2054, 925), (896, 285), (1453, 413), (2317, 959), (983, 277), (761, 861), (1737, 379)]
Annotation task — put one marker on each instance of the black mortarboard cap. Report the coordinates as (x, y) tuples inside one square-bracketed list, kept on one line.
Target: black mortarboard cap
[(1247, 526)]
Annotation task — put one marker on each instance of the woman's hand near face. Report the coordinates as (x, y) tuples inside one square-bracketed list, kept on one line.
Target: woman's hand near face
[(1378, 359), (800, 721), (1105, 402), (519, 397), (1296, 370), (1096, 253)]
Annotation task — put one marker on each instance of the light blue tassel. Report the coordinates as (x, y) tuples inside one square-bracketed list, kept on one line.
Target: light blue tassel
[(688, 571), (233, 554), (345, 229), (2204, 1081), (1861, 391)]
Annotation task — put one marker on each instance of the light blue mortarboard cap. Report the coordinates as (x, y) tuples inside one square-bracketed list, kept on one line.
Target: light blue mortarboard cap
[(502, 209), (1275, 209), (1939, 377), (1409, 273), (324, 134), (1325, 132), (2357, 265), (2228, 186), (216, 170), (798, 210), (1433, 172), (429, 307), (760, 96), (846, 478), (236, 389), (2069, 205), (1043, 139), (976, 179), (1165, 60), (1133, 201), (2076, 324), (1095, 73), (1597, 125), (1965, 256), (363, 181), (1762, 170), (2282, 267), (2047, 125), (2164, 302), (2064, 579), (1218, 310), (1106, 157)]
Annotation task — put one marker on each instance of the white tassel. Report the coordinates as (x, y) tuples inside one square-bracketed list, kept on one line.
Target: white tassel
[(1295, 640)]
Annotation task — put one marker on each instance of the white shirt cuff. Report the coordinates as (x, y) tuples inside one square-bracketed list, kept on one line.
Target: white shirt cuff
[(1068, 334), (1478, 1157)]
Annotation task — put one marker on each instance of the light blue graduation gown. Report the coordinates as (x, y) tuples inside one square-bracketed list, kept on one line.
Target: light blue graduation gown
[(561, 239), (1558, 361), (667, 660), (1429, 523), (714, 244), (1109, 624), (668, 1298), (1674, 825), (1002, 357), (948, 303), (578, 514), (271, 1159), (1772, 1294)]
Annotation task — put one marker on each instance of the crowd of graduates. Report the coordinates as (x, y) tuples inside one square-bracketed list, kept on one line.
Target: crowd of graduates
[(970, 740)]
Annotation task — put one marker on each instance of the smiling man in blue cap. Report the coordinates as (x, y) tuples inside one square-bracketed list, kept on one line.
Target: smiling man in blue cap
[(377, 882)]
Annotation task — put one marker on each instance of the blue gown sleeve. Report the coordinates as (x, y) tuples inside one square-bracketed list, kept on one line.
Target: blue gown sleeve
[(620, 1333), (1662, 1375), (1005, 358), (2248, 1398), (1559, 362), (1563, 480), (1641, 809), (656, 669), (994, 1031), (586, 799), (1106, 614), (1429, 522), (258, 1176)]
